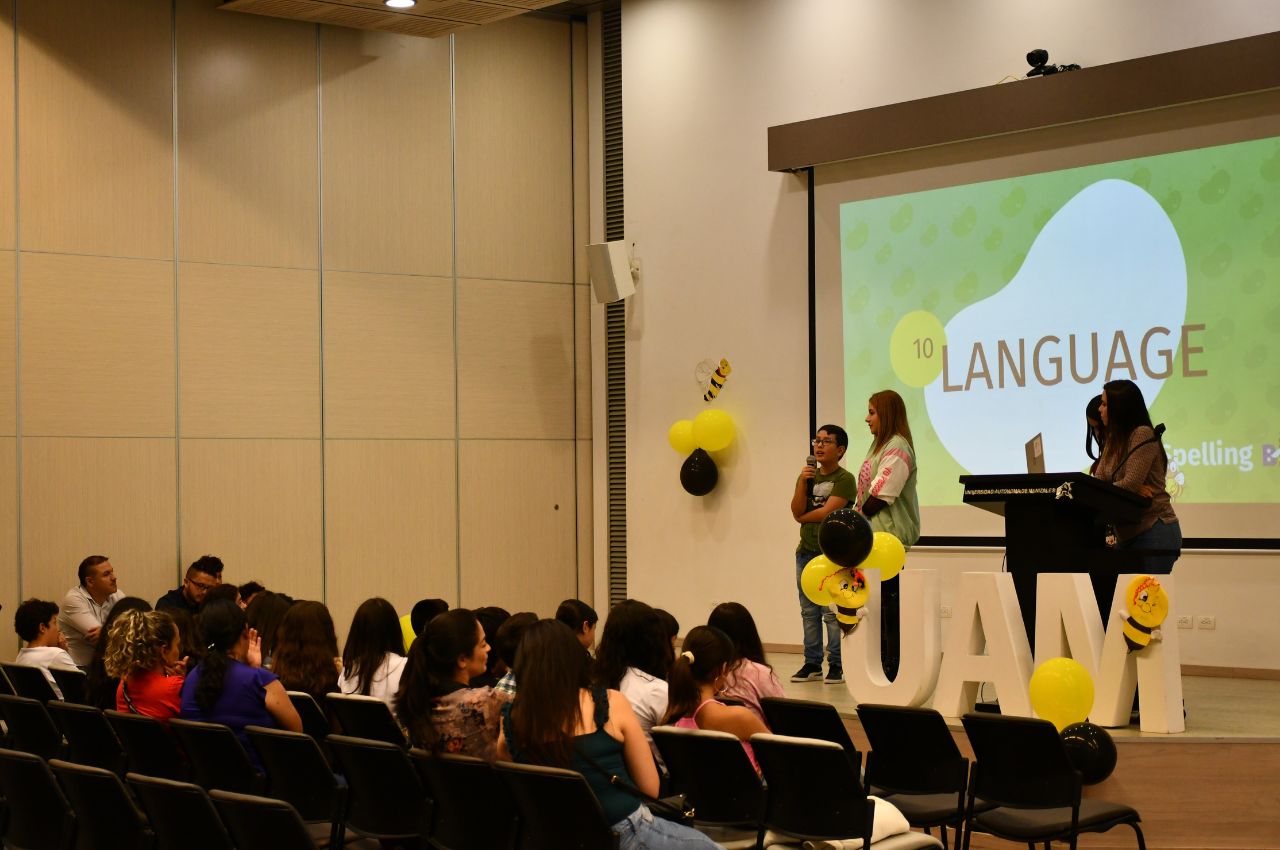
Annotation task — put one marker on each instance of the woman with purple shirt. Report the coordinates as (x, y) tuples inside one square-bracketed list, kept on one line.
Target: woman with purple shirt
[(230, 685)]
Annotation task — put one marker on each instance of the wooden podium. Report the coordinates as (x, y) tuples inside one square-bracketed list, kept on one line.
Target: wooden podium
[(1056, 523)]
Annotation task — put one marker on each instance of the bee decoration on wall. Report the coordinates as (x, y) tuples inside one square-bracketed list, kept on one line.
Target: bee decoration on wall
[(716, 381), (1148, 606)]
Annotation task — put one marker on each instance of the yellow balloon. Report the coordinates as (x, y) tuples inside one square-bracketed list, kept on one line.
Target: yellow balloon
[(1062, 692), (680, 436), (887, 555), (713, 430), (1147, 601), (818, 580), (850, 589)]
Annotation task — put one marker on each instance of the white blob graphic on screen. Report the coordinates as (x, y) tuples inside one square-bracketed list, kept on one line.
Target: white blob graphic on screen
[(1109, 260)]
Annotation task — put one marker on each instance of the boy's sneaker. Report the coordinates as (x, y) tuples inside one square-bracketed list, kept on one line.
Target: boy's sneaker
[(835, 676), (808, 673)]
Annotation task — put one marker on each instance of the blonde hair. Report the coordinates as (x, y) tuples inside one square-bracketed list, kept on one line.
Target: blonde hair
[(135, 641)]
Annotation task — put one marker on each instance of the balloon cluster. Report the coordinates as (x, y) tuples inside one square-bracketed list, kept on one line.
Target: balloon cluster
[(849, 547), (709, 431), (1062, 693)]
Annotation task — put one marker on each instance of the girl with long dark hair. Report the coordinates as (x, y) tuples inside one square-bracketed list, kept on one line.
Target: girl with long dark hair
[(750, 679), (230, 685), (1094, 432), (306, 653), (435, 703), (697, 675), (1134, 458), (373, 659), (144, 653), (633, 657), (265, 613), (559, 720)]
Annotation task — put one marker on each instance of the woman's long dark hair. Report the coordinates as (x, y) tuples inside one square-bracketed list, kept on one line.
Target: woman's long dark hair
[(551, 670), (431, 671), (1092, 413), (1126, 412), (306, 644), (712, 652), (633, 636), (736, 621), (99, 687), (189, 633), (375, 633), (265, 613), (222, 623)]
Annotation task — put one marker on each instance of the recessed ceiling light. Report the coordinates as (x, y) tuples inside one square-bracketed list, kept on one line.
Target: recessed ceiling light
[(401, 4)]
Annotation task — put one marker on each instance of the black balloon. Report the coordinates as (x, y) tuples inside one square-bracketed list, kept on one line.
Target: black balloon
[(698, 474), (1091, 751), (846, 537)]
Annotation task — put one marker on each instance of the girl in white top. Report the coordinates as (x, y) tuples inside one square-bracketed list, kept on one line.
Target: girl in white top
[(633, 657), (373, 658)]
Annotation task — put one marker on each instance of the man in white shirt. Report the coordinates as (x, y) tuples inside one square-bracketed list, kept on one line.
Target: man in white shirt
[(86, 606), (36, 622)]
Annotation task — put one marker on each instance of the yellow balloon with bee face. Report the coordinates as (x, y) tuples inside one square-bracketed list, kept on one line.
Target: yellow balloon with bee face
[(850, 595), (1148, 606)]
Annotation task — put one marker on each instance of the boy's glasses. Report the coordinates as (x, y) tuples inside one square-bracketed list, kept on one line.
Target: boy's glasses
[(823, 441)]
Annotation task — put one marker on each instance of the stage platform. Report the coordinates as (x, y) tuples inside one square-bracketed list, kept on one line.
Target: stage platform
[(1215, 786)]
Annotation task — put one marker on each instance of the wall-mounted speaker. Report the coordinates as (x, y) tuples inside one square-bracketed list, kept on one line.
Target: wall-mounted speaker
[(614, 272)]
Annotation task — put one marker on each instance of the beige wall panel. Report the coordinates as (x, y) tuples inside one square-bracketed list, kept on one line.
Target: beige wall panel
[(249, 345), (8, 370), (515, 151), (9, 596), (256, 504), (517, 524), (388, 356), (581, 141), (113, 497), (388, 195), (95, 127), (391, 523), (582, 358), (586, 544), (7, 235), (248, 190), (515, 360), (96, 346)]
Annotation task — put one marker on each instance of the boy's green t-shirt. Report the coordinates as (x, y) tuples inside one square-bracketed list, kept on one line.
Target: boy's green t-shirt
[(840, 483)]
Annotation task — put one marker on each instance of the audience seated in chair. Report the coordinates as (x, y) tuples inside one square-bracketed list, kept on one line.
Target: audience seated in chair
[(697, 675), (441, 712), (750, 679), (101, 688), (306, 654), (581, 618), (373, 659), (36, 622), (265, 613), (559, 720), (634, 657), (143, 652), (491, 618), (506, 642), (85, 608)]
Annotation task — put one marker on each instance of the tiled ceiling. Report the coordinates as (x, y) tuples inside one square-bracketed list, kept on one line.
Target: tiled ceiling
[(429, 18)]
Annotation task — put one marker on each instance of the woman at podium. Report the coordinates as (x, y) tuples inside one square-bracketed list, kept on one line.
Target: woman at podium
[(1134, 459)]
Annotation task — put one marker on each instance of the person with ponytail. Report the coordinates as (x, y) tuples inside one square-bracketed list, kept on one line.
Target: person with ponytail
[(698, 674), (144, 651), (435, 703), (230, 685), (558, 719)]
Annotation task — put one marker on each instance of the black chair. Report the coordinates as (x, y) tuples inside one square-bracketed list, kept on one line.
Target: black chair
[(557, 809), (180, 814), (29, 681), (841, 811), (261, 823), (39, 816), (915, 763), (314, 721), (298, 773), (712, 770), (365, 717), (385, 798), (90, 739), (217, 757), (150, 748), (6, 687), (802, 718), (474, 809), (30, 727), (107, 815), (72, 682), (1021, 768)]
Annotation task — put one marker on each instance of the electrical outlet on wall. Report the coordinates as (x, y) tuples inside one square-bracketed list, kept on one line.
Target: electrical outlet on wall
[(1186, 621), (1207, 622)]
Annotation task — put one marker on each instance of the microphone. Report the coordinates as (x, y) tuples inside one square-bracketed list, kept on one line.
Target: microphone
[(808, 485), (1159, 429)]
